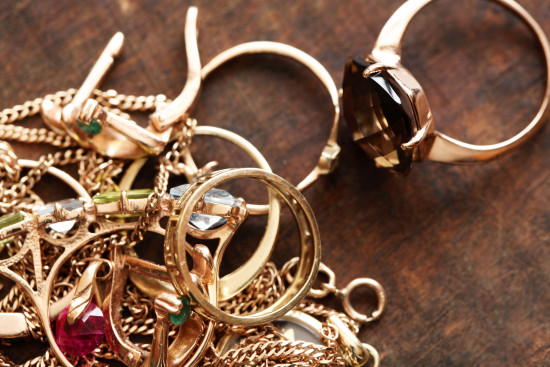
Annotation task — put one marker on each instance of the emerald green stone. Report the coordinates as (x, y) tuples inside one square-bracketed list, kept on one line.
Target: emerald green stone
[(184, 314), (11, 219), (93, 128), (110, 197)]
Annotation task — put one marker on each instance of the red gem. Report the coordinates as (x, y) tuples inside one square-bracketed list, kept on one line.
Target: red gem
[(85, 335)]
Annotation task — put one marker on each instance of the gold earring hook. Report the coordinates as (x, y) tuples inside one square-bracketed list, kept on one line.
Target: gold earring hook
[(60, 119), (179, 107), (93, 125)]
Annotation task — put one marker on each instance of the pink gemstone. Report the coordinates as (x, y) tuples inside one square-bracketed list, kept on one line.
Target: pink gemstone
[(84, 335)]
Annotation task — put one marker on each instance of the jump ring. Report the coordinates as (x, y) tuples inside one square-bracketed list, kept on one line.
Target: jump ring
[(325, 288), (351, 311)]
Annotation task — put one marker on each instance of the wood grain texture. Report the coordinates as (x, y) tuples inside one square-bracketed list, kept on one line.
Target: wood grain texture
[(463, 252)]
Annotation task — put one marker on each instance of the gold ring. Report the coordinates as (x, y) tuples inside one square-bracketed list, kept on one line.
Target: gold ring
[(236, 281), (329, 156), (176, 247), (388, 113)]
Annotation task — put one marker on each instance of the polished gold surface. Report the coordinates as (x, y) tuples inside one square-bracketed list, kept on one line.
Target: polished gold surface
[(177, 248), (331, 151), (429, 144), (114, 135), (237, 280)]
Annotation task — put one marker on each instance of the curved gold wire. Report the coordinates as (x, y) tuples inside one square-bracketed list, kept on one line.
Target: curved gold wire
[(331, 151)]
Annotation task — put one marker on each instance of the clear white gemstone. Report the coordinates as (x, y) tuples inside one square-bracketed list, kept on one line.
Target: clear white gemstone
[(63, 227), (214, 196), (177, 192), (67, 204), (206, 222)]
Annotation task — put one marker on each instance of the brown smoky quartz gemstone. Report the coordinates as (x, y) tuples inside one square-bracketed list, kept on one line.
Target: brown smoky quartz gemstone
[(379, 115)]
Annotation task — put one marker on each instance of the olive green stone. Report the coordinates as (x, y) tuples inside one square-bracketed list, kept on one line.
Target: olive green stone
[(184, 314), (93, 128), (11, 219), (110, 197), (3, 243)]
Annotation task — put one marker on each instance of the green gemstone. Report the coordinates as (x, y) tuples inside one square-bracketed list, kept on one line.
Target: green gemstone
[(93, 128), (11, 219), (110, 197), (184, 314), (3, 243)]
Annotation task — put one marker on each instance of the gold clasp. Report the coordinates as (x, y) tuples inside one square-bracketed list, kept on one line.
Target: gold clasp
[(345, 293)]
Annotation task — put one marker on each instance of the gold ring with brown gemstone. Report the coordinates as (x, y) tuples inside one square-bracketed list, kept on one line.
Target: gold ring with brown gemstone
[(388, 113)]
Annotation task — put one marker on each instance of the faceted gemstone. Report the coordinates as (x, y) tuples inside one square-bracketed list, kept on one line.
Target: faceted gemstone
[(177, 192), (110, 197), (184, 313), (93, 128), (84, 335), (206, 222), (63, 227), (67, 204), (215, 196), (11, 219), (379, 115)]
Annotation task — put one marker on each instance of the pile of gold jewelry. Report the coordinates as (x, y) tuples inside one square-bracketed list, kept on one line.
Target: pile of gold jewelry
[(78, 283)]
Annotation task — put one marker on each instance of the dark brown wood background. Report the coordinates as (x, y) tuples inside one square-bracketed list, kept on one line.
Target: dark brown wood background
[(463, 251)]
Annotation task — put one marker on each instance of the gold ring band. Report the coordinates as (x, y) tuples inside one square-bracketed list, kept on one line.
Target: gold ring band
[(176, 247), (234, 282), (395, 144), (331, 151)]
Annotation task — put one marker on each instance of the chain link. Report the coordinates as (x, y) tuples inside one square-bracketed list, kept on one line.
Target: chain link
[(32, 107), (109, 98), (42, 135), (263, 345), (10, 197)]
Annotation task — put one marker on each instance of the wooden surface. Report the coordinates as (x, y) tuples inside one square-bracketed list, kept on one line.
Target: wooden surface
[(463, 252)]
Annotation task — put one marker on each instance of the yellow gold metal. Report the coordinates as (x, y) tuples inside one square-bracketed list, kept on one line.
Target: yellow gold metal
[(177, 248), (65, 177), (114, 135), (40, 297), (329, 287), (329, 156), (61, 119), (350, 346), (373, 353), (345, 293), (192, 339), (177, 110), (85, 291), (236, 281), (429, 144)]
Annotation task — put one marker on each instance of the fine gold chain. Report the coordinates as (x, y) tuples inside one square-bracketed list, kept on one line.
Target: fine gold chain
[(109, 98), (263, 345)]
